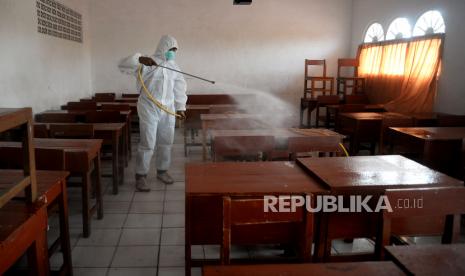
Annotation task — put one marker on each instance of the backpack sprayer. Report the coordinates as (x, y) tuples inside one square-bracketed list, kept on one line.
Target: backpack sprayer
[(156, 102)]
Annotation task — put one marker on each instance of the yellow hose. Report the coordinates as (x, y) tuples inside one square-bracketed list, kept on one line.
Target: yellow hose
[(344, 149), (151, 98)]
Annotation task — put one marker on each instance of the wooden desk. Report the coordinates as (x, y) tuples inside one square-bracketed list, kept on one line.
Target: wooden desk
[(112, 135), (81, 116), (440, 148), (364, 127), (425, 119), (328, 269), (320, 138), (229, 121), (365, 175), (206, 184), (51, 190), (22, 117), (126, 100), (439, 259), (24, 229), (193, 123), (81, 155), (334, 109)]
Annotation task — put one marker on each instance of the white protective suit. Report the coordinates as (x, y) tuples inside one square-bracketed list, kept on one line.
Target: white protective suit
[(157, 126)]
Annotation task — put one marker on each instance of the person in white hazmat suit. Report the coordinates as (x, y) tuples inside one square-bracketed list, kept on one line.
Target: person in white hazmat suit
[(157, 126)]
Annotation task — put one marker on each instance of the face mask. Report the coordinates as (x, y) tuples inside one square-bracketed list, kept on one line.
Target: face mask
[(170, 55)]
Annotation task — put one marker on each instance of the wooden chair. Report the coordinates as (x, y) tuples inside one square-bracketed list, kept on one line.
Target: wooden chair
[(246, 223), (56, 118), (346, 84), (323, 101), (81, 106), (119, 107), (24, 230), (72, 131), (300, 147), (319, 85), (356, 99), (40, 131), (448, 120), (242, 147), (48, 160), (441, 209)]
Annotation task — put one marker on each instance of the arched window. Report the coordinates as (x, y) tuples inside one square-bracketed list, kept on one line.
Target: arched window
[(374, 33), (399, 28), (431, 22)]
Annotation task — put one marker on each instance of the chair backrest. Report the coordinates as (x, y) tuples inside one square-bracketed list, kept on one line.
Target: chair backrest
[(322, 146), (56, 117), (119, 107), (242, 146), (433, 203), (315, 62), (130, 95), (72, 131), (246, 222), (328, 99), (46, 159), (81, 106), (449, 120), (40, 131), (348, 63), (104, 117), (356, 99), (105, 97)]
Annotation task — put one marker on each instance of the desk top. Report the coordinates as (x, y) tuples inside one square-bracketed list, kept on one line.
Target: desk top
[(433, 133), (97, 126), (374, 172), (277, 132), (79, 112), (324, 269), (208, 106), (367, 106), (68, 145), (373, 116), (45, 179), (438, 259), (251, 178)]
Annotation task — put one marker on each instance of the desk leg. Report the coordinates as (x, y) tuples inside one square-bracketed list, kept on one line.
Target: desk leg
[(115, 160), (125, 147), (188, 257), (122, 158), (98, 187), (204, 141), (37, 252), (85, 204), (64, 231), (129, 139)]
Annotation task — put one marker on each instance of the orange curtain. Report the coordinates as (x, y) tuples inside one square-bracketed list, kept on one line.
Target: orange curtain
[(402, 74)]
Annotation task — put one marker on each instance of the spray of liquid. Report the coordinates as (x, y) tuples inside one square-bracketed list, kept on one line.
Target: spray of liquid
[(275, 111)]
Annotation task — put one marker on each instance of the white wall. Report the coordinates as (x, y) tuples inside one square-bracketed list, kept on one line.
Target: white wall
[(451, 90), (39, 70), (262, 46)]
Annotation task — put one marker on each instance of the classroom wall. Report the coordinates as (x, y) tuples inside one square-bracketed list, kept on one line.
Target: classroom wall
[(262, 46), (39, 70), (451, 90)]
